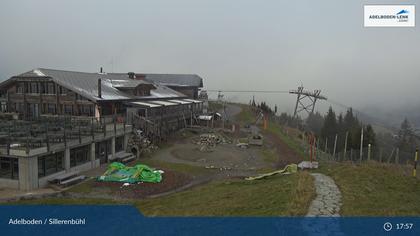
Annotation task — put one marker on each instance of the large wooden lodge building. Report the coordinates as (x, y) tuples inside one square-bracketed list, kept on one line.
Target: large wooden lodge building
[(55, 121)]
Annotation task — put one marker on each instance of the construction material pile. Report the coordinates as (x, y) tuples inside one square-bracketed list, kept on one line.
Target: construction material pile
[(208, 142), (118, 172), (141, 143)]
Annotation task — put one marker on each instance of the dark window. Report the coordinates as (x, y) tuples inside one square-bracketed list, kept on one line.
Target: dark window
[(33, 87), (119, 144), (20, 87), (33, 109), (9, 168), (109, 146), (68, 109), (142, 112), (79, 156), (51, 108), (3, 107), (86, 110), (20, 107), (50, 164), (81, 98), (50, 88), (62, 90)]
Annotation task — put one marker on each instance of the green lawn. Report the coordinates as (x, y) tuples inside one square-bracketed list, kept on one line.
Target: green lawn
[(374, 189), (215, 106), (246, 116), (293, 144), (278, 195), (269, 155)]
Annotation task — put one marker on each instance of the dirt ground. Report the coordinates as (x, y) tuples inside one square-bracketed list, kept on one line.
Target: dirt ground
[(286, 155), (225, 160), (225, 156)]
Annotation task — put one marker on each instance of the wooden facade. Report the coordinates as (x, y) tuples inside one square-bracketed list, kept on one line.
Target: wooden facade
[(32, 97)]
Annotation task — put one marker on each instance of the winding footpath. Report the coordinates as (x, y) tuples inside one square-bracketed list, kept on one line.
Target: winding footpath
[(327, 204), (328, 200)]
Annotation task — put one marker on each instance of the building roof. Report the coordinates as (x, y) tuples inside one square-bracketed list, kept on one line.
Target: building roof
[(86, 84), (175, 79)]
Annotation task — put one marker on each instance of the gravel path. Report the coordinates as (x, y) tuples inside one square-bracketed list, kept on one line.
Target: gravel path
[(328, 200)]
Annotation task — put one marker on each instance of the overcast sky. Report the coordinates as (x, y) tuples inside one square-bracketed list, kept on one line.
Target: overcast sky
[(264, 45)]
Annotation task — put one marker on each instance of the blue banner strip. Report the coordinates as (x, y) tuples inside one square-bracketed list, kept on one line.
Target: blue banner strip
[(127, 220)]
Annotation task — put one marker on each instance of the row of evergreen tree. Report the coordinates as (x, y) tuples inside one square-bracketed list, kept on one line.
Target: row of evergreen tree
[(328, 126)]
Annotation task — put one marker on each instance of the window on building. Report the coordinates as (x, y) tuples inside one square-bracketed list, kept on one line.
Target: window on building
[(62, 90), (9, 168), (142, 112), (20, 107), (86, 110), (33, 109), (3, 106), (33, 87), (119, 144), (79, 156), (20, 88), (68, 109), (50, 164), (81, 98), (51, 108), (50, 89), (109, 146)]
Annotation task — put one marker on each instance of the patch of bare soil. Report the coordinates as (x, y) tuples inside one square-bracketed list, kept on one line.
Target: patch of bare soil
[(171, 180), (286, 154)]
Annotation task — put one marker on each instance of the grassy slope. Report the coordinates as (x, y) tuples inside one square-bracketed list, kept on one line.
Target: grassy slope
[(278, 195), (293, 144), (215, 106), (375, 189), (246, 116)]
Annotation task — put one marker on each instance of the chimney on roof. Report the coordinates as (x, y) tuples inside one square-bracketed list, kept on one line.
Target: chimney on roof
[(131, 75), (101, 70), (99, 88)]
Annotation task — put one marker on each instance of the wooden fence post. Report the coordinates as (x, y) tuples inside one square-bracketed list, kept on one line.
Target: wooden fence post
[(361, 145), (335, 145), (415, 162), (390, 156), (345, 146), (369, 149)]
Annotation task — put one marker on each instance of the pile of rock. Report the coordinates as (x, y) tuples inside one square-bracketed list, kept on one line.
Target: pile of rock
[(208, 142)]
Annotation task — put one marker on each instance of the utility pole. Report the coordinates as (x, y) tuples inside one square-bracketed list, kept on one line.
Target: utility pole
[(306, 100)]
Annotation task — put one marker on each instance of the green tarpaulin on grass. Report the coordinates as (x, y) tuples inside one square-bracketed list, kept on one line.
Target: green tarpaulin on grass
[(118, 172)]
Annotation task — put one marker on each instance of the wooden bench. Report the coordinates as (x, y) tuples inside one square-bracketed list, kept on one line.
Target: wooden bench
[(72, 180), (122, 155), (128, 159), (61, 178)]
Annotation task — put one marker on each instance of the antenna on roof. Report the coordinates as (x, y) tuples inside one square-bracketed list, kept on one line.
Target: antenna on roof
[(99, 88)]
